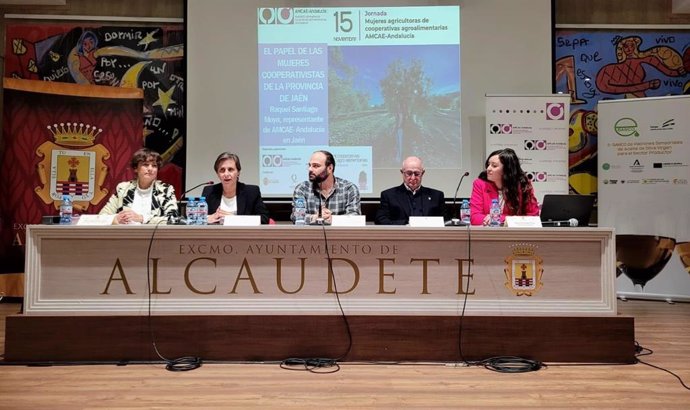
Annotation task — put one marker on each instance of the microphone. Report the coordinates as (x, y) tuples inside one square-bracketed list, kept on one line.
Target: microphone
[(179, 220), (456, 221), (195, 187), (570, 222)]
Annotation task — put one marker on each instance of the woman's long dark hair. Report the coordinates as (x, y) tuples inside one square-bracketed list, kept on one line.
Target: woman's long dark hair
[(517, 190)]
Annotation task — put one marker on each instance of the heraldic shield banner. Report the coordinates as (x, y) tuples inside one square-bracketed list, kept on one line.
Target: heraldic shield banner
[(61, 139)]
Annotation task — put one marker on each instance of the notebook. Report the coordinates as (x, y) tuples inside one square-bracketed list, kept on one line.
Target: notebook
[(559, 209)]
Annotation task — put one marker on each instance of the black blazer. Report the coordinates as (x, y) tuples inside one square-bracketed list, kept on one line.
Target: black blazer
[(395, 208), (249, 200)]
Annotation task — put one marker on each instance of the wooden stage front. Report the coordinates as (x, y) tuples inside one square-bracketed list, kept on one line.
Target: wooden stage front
[(409, 294), (267, 338)]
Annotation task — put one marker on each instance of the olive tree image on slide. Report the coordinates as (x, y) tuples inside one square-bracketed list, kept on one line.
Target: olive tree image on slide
[(401, 100)]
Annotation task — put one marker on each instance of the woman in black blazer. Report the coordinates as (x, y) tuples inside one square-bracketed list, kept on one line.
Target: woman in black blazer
[(231, 197)]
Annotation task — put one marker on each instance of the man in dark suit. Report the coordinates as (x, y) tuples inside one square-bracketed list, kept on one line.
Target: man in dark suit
[(410, 198)]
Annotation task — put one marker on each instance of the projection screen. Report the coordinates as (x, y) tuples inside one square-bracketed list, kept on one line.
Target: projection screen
[(273, 81)]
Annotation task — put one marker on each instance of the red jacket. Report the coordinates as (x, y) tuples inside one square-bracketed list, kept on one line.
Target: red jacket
[(483, 192)]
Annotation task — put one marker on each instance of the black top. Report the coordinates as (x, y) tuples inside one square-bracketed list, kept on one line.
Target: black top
[(398, 204), (249, 200)]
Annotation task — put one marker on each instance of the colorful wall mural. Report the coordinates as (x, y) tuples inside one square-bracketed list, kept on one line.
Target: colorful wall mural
[(150, 58), (593, 65)]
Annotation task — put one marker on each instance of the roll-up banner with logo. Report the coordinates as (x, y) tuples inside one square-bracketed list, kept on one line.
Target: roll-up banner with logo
[(536, 127), (644, 174)]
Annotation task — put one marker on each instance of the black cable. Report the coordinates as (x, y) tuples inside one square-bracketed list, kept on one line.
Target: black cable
[(467, 291), (314, 363), (639, 352), (180, 364), (502, 364), (511, 364), (644, 351), (337, 296)]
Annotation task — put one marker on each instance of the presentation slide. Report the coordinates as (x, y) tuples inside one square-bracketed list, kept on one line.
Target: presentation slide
[(371, 84)]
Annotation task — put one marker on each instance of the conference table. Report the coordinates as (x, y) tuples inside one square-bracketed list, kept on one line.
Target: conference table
[(270, 292)]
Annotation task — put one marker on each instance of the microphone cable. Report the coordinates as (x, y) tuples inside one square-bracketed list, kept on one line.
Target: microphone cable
[(314, 363), (640, 351), (645, 351), (511, 364), (467, 291), (181, 364), (501, 364)]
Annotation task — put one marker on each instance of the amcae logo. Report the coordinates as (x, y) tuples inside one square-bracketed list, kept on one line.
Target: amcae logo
[(281, 15)]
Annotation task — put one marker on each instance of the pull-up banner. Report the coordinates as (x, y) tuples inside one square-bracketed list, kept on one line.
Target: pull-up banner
[(61, 139), (644, 187), (536, 127)]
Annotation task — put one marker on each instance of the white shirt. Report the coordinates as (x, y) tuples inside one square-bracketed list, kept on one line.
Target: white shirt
[(229, 205), (142, 202), (414, 192)]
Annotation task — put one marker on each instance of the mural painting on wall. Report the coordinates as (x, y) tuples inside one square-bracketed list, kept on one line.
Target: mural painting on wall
[(150, 58), (594, 65)]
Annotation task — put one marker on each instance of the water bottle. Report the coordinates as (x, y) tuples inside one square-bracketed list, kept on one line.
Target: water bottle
[(300, 211), (191, 211), (202, 211), (465, 212), (66, 210), (495, 213)]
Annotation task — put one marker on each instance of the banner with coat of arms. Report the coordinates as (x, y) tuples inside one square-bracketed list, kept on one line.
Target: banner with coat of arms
[(61, 139)]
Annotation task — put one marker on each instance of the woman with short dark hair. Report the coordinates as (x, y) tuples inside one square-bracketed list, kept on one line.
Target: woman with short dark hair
[(144, 199), (230, 196)]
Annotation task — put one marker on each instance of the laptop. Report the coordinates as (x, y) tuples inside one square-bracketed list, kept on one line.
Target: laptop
[(559, 209)]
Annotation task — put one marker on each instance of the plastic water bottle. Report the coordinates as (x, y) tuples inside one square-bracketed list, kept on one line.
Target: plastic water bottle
[(66, 210), (191, 211), (300, 211), (495, 213), (465, 212), (202, 212)]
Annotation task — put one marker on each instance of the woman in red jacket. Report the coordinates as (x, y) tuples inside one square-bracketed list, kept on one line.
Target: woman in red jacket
[(504, 180)]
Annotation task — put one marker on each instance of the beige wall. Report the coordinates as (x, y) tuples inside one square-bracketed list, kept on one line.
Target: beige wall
[(617, 12)]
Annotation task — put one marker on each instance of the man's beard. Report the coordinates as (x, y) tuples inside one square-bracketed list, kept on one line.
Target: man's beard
[(319, 178)]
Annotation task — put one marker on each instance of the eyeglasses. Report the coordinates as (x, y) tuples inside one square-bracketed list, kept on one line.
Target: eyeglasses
[(412, 173)]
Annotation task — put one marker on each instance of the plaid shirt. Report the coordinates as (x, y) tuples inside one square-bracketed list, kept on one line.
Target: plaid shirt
[(344, 199)]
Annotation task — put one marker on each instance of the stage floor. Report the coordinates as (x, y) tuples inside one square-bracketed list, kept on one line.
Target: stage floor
[(658, 326)]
